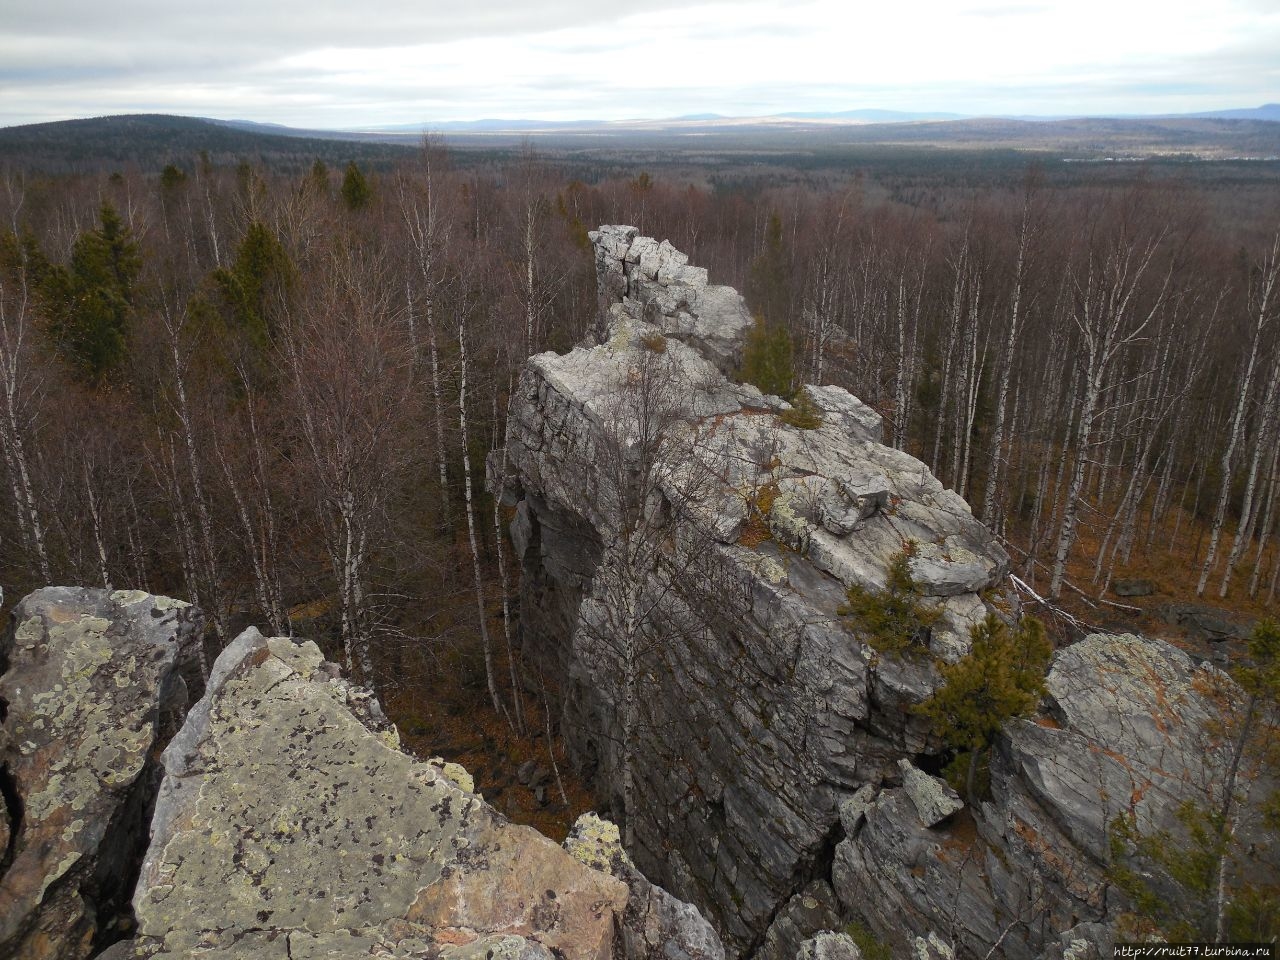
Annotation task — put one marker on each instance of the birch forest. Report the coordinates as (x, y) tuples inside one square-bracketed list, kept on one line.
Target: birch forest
[(276, 394)]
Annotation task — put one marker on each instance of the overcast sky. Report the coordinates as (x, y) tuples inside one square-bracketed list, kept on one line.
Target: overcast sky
[(330, 64)]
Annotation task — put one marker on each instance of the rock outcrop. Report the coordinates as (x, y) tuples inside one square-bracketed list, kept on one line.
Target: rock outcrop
[(93, 684), (761, 710), (655, 924), (673, 527), (1129, 728), (642, 279), (289, 823), (281, 819)]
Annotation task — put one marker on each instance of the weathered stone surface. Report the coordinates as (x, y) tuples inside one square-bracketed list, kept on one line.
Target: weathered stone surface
[(1204, 623), (92, 686), (1128, 728), (289, 823), (853, 811), (798, 929), (655, 925), (841, 408), (1084, 941), (762, 711), (932, 947), (1133, 588), (652, 281), (829, 946), (906, 879), (933, 799)]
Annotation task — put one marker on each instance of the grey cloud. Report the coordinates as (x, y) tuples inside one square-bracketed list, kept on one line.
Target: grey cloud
[(284, 27)]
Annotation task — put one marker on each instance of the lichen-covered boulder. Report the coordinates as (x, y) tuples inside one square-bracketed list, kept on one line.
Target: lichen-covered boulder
[(802, 928), (92, 686), (932, 797), (829, 945), (289, 823)]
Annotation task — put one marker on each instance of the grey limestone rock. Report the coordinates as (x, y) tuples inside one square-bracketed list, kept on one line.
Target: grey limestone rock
[(829, 946), (655, 925), (802, 927), (761, 709), (289, 821), (932, 947), (1138, 587), (651, 281), (932, 797), (1128, 728), (93, 686)]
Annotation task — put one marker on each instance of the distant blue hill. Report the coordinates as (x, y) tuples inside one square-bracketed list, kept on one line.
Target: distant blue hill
[(874, 116), (1268, 111)]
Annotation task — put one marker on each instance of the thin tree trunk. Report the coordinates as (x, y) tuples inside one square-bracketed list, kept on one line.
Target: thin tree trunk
[(481, 615), (94, 514), (1248, 515), (1265, 531), (1271, 272)]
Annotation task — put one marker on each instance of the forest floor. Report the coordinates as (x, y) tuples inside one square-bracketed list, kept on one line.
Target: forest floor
[(1172, 567), (456, 721)]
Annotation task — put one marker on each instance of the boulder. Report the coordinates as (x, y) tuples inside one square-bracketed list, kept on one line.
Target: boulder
[(94, 685), (289, 822), (1130, 726), (1133, 588), (802, 927), (932, 797), (1204, 623), (829, 946)]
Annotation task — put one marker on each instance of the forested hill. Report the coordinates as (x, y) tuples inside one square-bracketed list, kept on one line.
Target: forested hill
[(150, 141)]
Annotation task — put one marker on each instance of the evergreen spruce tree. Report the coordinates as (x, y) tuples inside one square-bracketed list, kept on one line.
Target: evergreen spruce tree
[(767, 360), (90, 302), (253, 286), (356, 192), (1001, 677), (769, 279)]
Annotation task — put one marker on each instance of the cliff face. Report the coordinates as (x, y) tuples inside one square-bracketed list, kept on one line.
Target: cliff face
[(775, 754), (762, 710)]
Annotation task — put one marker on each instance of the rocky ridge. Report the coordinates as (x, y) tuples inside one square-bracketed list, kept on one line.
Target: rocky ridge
[(281, 819), (771, 710), (776, 749)]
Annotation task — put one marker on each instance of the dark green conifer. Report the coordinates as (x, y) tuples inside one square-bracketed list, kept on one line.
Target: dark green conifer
[(356, 192)]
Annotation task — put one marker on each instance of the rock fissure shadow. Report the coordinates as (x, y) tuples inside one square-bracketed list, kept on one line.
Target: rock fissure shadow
[(124, 847), (816, 867), (13, 806), (934, 764)]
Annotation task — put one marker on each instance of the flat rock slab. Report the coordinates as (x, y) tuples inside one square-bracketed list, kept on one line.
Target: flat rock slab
[(289, 823), (90, 675)]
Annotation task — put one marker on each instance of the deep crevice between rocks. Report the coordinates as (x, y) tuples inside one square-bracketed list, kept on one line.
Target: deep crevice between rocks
[(817, 867), (934, 763), (15, 809), (110, 890)]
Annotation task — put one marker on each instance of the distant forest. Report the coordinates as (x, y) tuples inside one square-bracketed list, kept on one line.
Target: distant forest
[(269, 385)]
